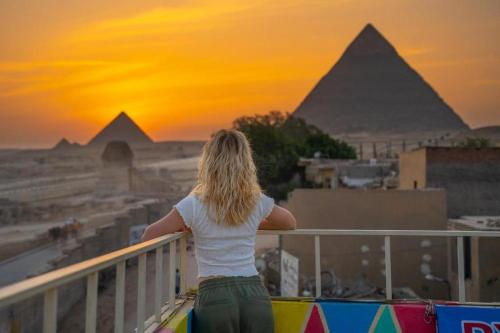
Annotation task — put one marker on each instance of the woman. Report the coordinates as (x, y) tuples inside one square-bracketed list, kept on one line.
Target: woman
[(224, 211)]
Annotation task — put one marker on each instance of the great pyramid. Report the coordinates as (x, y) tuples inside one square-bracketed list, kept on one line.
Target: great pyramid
[(122, 128), (372, 90)]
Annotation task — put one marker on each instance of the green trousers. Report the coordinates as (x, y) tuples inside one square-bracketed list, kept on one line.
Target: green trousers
[(233, 305)]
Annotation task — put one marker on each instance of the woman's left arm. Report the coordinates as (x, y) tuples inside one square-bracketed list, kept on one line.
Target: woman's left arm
[(170, 223)]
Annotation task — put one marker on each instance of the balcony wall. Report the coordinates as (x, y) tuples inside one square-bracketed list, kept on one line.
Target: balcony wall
[(355, 256)]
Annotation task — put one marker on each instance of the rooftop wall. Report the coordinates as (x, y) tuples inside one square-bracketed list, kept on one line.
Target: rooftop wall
[(356, 257), (461, 155), (471, 178)]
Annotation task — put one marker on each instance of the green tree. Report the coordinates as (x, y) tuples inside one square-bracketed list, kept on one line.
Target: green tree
[(475, 143), (278, 140)]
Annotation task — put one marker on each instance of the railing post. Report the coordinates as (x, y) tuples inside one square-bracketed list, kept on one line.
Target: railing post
[(120, 297), (461, 271), (141, 292), (388, 271), (91, 306), (50, 311), (171, 276), (183, 264), (158, 283), (317, 263)]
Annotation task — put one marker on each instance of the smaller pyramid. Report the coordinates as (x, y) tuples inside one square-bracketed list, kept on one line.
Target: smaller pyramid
[(64, 144), (122, 128)]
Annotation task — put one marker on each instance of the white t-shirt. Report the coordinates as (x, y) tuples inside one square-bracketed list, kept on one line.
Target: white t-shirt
[(223, 250)]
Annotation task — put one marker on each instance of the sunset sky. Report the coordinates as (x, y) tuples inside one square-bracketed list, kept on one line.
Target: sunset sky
[(182, 69)]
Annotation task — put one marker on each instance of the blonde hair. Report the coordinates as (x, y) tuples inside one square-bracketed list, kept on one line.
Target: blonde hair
[(227, 178)]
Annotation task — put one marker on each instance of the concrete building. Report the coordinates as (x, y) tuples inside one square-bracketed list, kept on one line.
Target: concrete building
[(482, 267), (471, 177), (353, 257), (330, 173), (321, 172)]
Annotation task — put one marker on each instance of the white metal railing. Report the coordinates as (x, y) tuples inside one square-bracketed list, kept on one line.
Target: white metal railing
[(49, 283), (387, 234)]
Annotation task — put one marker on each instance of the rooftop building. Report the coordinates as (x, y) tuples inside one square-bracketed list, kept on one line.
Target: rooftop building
[(471, 177)]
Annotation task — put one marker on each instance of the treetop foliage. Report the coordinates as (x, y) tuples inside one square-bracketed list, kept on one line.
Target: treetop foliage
[(278, 141), (475, 143)]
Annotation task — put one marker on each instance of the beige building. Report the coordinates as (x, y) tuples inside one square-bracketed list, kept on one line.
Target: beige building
[(320, 171), (482, 267), (332, 173), (350, 257)]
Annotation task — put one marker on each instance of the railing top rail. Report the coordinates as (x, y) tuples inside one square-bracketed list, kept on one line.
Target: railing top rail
[(36, 285), (358, 232), (33, 286)]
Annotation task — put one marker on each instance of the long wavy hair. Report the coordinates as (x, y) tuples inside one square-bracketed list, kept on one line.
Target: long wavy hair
[(227, 178)]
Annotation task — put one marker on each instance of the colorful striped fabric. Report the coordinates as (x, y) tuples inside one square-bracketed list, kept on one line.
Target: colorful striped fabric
[(328, 316)]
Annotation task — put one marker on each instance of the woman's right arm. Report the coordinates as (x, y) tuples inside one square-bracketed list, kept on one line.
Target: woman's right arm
[(279, 219), (170, 223)]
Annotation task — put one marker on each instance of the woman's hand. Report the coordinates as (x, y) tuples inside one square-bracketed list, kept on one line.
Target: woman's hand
[(170, 223)]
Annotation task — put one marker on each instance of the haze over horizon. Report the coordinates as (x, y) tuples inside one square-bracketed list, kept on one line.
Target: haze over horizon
[(182, 69)]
